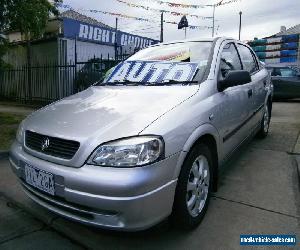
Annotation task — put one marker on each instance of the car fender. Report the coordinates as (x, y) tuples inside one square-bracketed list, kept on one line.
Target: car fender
[(270, 93), (204, 129)]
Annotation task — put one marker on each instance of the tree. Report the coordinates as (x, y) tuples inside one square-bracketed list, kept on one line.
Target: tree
[(3, 49), (26, 16)]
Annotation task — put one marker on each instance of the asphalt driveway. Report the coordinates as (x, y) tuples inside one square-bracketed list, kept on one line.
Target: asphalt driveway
[(258, 194)]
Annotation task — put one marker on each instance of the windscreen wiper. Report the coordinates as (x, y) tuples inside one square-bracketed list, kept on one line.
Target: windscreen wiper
[(166, 82), (124, 82), (135, 83)]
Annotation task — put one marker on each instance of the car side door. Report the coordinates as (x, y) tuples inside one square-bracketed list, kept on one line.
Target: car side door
[(257, 87), (232, 102)]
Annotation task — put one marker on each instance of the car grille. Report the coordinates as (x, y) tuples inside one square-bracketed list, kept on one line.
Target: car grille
[(53, 146)]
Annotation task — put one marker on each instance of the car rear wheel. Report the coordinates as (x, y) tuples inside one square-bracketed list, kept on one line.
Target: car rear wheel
[(193, 188), (265, 123)]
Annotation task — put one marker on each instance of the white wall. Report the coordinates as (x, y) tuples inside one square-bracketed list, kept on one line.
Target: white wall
[(87, 50)]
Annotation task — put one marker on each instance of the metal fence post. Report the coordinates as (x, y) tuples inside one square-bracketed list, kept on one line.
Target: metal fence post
[(29, 70)]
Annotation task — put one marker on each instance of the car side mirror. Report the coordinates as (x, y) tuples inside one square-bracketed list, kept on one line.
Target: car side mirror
[(234, 78)]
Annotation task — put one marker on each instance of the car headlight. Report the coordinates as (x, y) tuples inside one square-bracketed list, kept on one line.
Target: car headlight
[(20, 133), (129, 152)]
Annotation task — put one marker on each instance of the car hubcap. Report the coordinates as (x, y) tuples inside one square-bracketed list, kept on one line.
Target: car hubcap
[(197, 186), (266, 119)]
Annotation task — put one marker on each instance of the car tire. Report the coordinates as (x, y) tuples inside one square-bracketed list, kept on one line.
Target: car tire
[(265, 123), (193, 188)]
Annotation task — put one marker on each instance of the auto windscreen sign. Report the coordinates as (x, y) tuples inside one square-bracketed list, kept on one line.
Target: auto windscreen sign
[(152, 72)]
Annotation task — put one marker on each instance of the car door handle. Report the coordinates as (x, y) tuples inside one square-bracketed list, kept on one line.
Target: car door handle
[(250, 93)]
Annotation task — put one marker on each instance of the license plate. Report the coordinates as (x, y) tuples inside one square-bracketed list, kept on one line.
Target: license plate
[(39, 179)]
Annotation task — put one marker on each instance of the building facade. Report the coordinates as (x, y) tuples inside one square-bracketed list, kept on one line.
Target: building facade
[(71, 38), (74, 52), (279, 49)]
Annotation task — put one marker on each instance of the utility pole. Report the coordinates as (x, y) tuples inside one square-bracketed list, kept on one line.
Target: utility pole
[(162, 27), (184, 32), (240, 27), (299, 55), (116, 40), (213, 26), (75, 52)]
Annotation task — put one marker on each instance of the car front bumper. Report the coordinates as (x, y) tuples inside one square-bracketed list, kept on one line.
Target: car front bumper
[(128, 199)]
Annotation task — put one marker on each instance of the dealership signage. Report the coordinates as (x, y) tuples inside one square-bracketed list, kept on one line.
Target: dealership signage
[(97, 34)]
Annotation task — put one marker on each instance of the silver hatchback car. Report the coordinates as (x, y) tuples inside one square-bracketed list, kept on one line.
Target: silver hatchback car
[(146, 143)]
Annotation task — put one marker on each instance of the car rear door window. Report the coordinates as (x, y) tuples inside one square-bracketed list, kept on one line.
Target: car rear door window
[(248, 60), (229, 60)]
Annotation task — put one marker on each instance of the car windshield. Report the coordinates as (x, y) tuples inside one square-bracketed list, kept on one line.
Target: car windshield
[(284, 72), (163, 64)]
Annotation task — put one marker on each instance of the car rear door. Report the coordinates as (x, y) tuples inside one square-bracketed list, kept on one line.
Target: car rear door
[(257, 87)]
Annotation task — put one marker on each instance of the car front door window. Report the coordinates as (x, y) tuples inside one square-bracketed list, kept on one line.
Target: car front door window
[(229, 60), (276, 72)]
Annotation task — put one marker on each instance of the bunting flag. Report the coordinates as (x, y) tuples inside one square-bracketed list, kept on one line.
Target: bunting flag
[(221, 3), (65, 6), (190, 6), (193, 27), (174, 13), (180, 5), (183, 23), (118, 15)]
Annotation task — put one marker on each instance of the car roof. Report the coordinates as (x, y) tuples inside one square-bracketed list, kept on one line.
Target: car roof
[(278, 66), (194, 40)]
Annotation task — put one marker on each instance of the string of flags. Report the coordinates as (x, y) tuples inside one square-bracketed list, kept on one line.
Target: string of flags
[(181, 5), (65, 6), (174, 13), (222, 2), (227, 2)]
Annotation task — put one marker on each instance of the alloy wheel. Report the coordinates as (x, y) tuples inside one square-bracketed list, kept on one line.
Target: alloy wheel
[(197, 186)]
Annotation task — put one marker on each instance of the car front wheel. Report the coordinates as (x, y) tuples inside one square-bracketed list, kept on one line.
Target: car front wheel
[(193, 188)]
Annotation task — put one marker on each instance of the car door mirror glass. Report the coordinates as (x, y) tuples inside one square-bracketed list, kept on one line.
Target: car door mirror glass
[(234, 78)]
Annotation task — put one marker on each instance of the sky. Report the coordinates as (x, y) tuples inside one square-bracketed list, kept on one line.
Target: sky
[(260, 18)]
